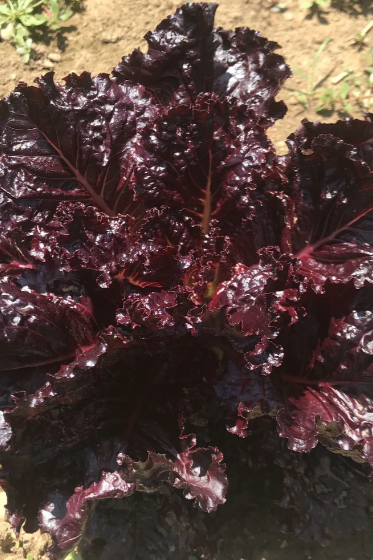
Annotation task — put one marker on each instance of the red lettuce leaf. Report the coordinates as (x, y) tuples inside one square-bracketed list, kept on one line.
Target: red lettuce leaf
[(196, 471), (251, 299), (331, 201), (119, 389), (204, 158), (40, 329), (67, 531), (328, 389), (15, 222), (72, 142), (260, 300), (186, 57)]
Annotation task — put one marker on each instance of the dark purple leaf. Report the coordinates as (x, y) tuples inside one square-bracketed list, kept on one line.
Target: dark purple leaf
[(156, 525), (331, 201), (256, 297), (14, 223), (152, 306), (203, 158), (40, 329), (259, 300), (333, 385), (197, 472), (186, 57), (68, 530), (243, 390), (72, 142)]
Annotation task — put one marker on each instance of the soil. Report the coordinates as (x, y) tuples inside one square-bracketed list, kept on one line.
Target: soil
[(31, 546), (95, 40)]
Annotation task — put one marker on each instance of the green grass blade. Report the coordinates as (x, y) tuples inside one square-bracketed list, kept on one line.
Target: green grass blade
[(311, 83), (299, 91), (300, 73), (321, 48)]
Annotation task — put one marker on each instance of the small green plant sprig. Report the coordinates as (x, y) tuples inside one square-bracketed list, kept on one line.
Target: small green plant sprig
[(341, 98), (59, 13), (16, 19), (353, 91), (19, 17), (309, 96)]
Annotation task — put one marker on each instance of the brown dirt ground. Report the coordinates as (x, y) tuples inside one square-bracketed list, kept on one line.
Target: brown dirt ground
[(83, 43), (95, 40)]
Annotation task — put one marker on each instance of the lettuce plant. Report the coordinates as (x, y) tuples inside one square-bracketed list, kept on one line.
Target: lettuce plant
[(165, 276)]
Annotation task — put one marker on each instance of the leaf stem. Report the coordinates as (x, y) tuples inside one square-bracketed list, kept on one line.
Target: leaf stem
[(306, 251), (207, 202), (80, 178)]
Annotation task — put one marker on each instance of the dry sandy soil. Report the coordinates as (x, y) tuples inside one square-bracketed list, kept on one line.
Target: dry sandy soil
[(95, 40)]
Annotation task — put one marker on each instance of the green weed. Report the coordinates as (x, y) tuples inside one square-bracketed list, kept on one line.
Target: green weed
[(347, 92), (59, 13), (338, 99), (309, 96), (18, 18)]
